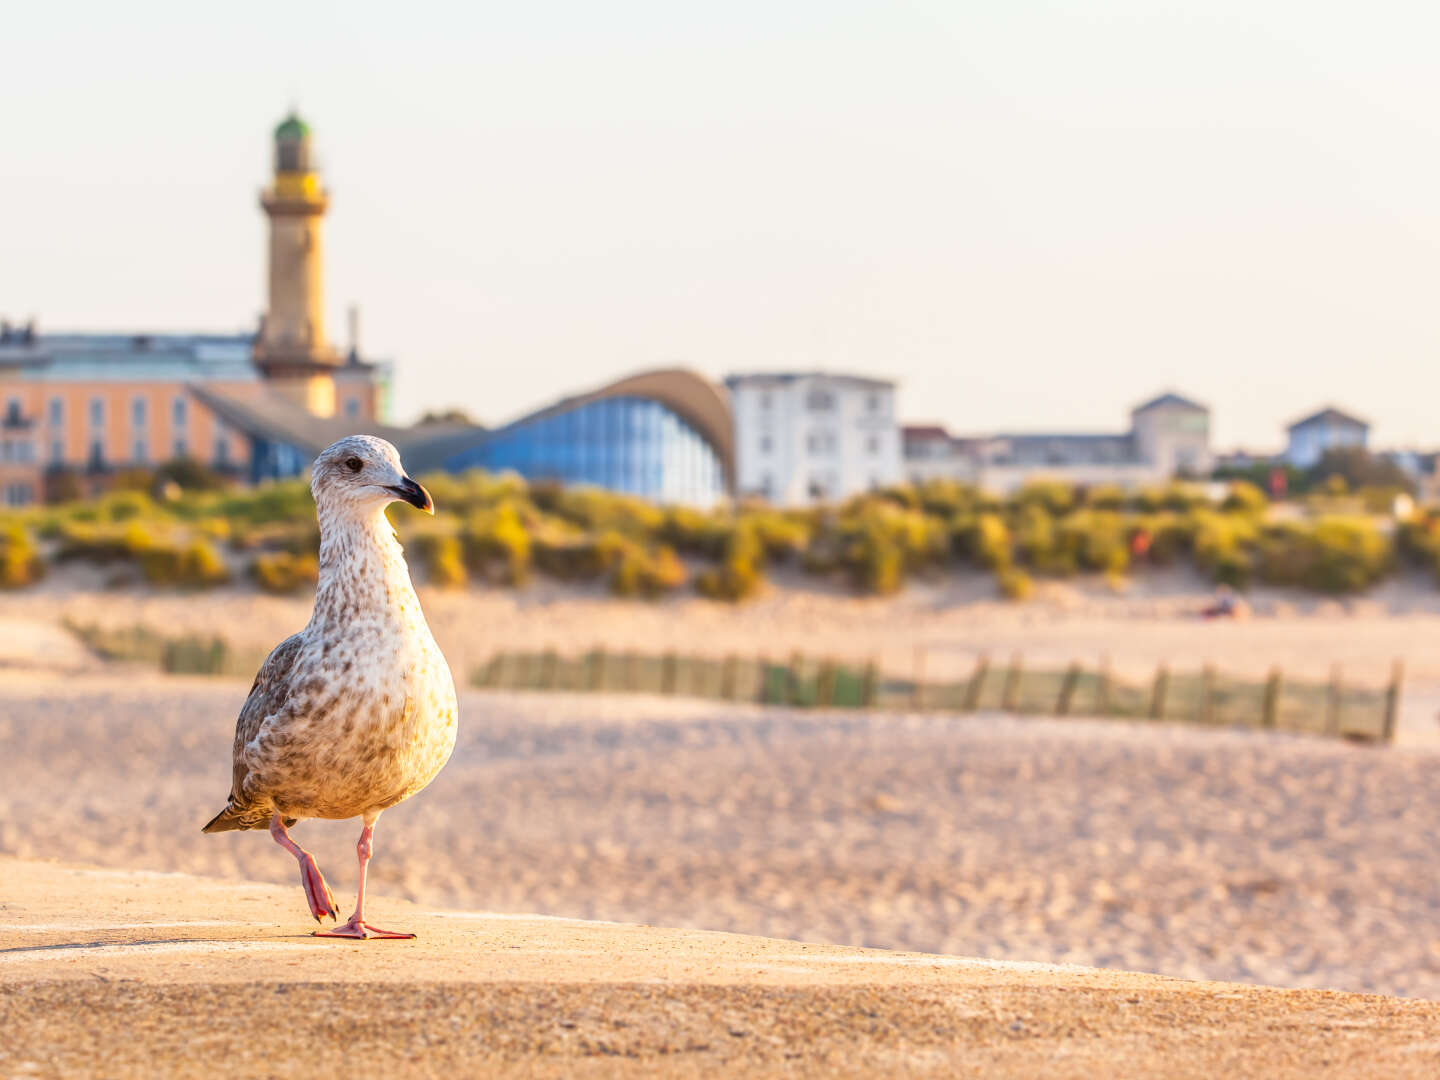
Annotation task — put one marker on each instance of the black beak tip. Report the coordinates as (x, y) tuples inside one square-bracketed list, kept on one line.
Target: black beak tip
[(411, 492)]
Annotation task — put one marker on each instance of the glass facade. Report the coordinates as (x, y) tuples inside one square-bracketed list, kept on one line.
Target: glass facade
[(629, 444)]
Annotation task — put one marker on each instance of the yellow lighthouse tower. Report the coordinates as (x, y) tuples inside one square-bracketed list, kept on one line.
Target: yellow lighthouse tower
[(292, 350)]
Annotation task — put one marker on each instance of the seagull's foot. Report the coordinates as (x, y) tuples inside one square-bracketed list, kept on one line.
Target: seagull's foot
[(317, 893), (358, 929)]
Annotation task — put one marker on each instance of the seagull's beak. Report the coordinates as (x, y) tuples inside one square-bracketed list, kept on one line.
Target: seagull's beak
[(411, 492)]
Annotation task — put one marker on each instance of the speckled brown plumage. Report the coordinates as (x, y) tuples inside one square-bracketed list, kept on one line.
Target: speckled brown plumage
[(357, 711)]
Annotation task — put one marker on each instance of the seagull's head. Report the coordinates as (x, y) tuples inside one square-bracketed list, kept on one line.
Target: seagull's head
[(360, 472)]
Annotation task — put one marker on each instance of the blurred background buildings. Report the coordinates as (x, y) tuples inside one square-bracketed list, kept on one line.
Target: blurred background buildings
[(81, 408)]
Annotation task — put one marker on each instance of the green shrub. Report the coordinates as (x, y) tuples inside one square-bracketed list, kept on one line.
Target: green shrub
[(496, 545), (648, 574), (444, 559), (739, 574), (1245, 498), (877, 561), (1096, 540), (1014, 584), (1052, 496), (986, 540), (196, 564), (282, 572), (1106, 497), (1333, 555), (20, 562)]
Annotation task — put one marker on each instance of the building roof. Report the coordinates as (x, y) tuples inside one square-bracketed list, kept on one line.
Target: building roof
[(1329, 416), (793, 376), (1169, 399), (129, 357), (700, 402), (923, 431), (263, 412), (292, 128)]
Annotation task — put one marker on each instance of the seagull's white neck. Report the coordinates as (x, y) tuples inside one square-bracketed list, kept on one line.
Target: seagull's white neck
[(362, 566)]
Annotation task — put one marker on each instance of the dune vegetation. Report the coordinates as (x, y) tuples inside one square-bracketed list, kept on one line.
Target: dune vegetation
[(501, 531)]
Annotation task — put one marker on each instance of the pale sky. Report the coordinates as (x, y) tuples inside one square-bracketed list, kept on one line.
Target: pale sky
[(1033, 215)]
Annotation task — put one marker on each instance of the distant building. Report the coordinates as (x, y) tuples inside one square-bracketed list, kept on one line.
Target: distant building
[(810, 436), (664, 435), (91, 404), (1327, 429), (1169, 436)]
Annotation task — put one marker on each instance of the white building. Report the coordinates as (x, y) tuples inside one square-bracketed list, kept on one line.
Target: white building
[(1327, 429), (1169, 436), (808, 437)]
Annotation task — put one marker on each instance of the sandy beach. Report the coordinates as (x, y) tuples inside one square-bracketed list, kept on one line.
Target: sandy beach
[(1235, 855)]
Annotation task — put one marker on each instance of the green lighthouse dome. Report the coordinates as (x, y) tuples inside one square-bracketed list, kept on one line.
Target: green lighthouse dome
[(292, 129)]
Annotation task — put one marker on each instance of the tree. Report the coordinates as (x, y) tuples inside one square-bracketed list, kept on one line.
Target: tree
[(1359, 468)]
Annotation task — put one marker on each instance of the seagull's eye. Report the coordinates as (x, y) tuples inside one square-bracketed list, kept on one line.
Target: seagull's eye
[(354, 464)]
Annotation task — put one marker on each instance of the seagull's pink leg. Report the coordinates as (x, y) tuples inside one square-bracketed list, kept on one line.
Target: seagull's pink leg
[(317, 893), (357, 927)]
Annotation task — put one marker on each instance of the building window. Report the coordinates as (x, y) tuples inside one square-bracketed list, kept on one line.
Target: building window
[(57, 451), (12, 412), (352, 407), (222, 450), (821, 442), (57, 412), (872, 402), (138, 412), (97, 454), (97, 412), (177, 412), (141, 453), (820, 400), (181, 449)]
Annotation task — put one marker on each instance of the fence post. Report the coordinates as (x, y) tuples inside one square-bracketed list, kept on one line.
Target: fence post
[(217, 656), (825, 683), (1157, 695), (1392, 701), (797, 661), (729, 676), (1207, 695), (977, 683), (668, 665), (597, 668), (549, 665), (1067, 690), (762, 682), (1102, 688), (1270, 717), (1010, 697), (917, 695), (1332, 702), (870, 686)]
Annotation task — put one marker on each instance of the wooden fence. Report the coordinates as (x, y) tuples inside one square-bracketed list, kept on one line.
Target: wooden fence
[(1207, 697)]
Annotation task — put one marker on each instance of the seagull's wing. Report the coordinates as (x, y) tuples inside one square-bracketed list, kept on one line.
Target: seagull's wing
[(267, 694)]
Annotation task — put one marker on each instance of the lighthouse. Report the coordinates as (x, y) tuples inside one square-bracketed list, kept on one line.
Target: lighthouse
[(292, 351)]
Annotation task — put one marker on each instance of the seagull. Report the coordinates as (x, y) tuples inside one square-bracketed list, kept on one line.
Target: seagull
[(356, 712)]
